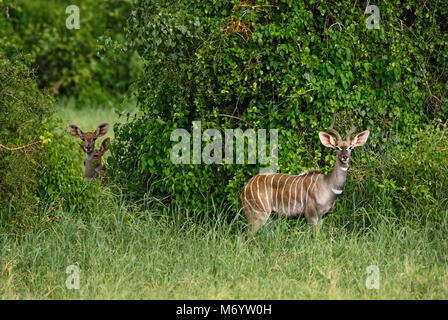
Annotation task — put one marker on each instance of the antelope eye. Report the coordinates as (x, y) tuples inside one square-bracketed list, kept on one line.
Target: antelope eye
[(339, 148)]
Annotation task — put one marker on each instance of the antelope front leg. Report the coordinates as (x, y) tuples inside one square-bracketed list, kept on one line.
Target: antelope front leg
[(312, 219)]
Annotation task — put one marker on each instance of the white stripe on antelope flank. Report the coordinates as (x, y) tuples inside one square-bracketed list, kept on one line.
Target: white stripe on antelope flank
[(314, 183), (245, 201), (274, 205), (277, 207), (245, 198), (272, 194), (301, 193), (269, 198), (253, 209), (258, 194), (336, 191), (283, 192), (251, 192), (290, 193), (266, 193), (306, 198), (295, 194), (343, 168)]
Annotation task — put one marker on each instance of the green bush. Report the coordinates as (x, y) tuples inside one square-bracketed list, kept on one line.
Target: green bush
[(23, 111), (48, 171), (88, 62), (286, 65)]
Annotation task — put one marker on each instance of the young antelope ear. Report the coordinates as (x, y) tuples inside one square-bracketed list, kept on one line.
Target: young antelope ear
[(101, 130), (360, 139), (327, 140), (75, 131), (104, 145)]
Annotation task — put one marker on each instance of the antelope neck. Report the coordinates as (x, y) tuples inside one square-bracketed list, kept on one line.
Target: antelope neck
[(89, 156), (337, 177), (89, 170)]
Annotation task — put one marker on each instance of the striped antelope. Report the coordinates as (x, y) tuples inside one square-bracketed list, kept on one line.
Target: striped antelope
[(310, 194), (88, 146)]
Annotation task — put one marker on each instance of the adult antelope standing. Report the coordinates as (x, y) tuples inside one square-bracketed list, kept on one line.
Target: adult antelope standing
[(88, 146), (310, 194)]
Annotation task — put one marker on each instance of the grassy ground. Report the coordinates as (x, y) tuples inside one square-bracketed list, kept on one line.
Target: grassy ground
[(129, 252)]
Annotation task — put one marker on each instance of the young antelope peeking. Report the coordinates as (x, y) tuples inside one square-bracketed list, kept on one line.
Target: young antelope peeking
[(88, 146), (310, 194), (97, 155)]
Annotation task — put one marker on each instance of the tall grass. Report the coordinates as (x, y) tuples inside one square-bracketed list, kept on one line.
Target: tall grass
[(129, 253)]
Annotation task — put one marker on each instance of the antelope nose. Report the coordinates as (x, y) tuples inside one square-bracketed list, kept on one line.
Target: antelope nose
[(89, 149), (344, 158)]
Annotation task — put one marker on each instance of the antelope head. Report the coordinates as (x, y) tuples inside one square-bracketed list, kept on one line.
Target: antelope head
[(88, 138), (344, 146)]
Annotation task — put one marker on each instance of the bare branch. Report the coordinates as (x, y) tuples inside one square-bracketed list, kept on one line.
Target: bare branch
[(18, 148)]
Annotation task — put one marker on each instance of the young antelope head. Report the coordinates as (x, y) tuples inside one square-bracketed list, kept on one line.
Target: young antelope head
[(88, 138), (345, 146)]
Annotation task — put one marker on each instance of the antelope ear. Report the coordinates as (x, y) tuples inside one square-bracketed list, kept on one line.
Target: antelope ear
[(101, 130), (327, 140), (360, 139), (75, 131), (104, 145)]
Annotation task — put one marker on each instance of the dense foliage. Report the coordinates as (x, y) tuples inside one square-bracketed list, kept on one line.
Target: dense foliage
[(38, 165), (86, 63), (23, 109), (286, 65)]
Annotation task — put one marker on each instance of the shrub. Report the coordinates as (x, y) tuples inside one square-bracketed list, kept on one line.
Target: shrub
[(285, 65), (47, 171), (23, 110)]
